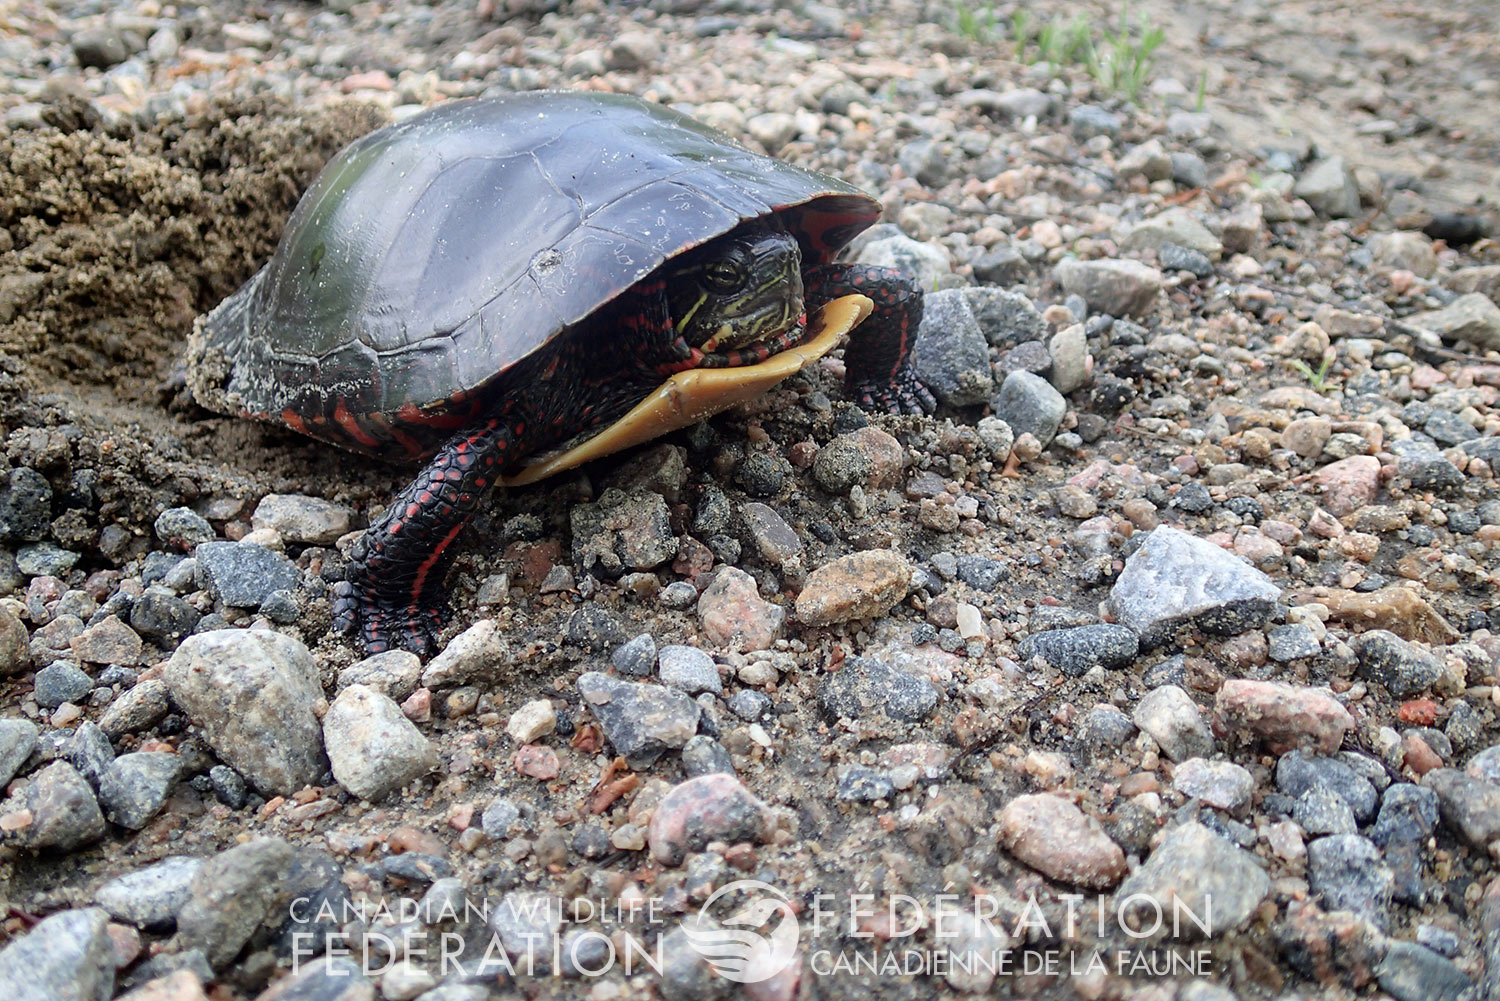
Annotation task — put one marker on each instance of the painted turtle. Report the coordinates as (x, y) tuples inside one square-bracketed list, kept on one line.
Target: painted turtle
[(491, 279)]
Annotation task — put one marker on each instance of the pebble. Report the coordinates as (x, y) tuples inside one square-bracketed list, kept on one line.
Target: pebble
[(1029, 404), (776, 541), (1346, 870), (1285, 716), (1072, 366), (950, 353), (65, 815), (253, 693), (232, 896), (183, 529), (500, 818), (863, 687), (857, 586), (622, 531), (373, 748), (1178, 227), (135, 786), (18, 738), (242, 574), (163, 618), (641, 721), (702, 755), (1320, 811), (395, 673), (1469, 807), (858, 784), (1472, 317), (1223, 785), (1329, 187), (1408, 817), (1077, 650), (15, 654), (924, 263), (108, 641), (25, 505), (1412, 972), (1007, 318), (1209, 875), (1105, 729), (733, 614), (713, 807), (65, 956), (1296, 773), (469, 656), (689, 669), (1175, 578), (867, 457), (1349, 484), (638, 656), (980, 572), (1050, 834), (1403, 668), (532, 721), (1293, 641), (301, 519), (61, 682), (1116, 287), (136, 709), (1088, 120), (1171, 717), (150, 897)]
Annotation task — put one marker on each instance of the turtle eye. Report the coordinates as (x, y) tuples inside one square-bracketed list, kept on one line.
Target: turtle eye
[(723, 275)]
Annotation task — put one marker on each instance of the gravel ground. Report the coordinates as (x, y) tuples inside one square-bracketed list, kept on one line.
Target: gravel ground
[(1184, 599)]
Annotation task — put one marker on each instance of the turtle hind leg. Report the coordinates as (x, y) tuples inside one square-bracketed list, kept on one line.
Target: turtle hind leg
[(878, 358), (394, 590)]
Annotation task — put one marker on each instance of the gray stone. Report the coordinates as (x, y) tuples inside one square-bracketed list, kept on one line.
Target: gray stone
[(1209, 876), (1293, 641), (864, 687), (1347, 871), (163, 617), (182, 528), (252, 693), (641, 721), (234, 894), (1410, 972), (64, 813), (395, 673), (950, 353), (296, 518), (1105, 729), (1069, 351), (242, 574), (1076, 651), (924, 263), (1296, 773), (89, 751), (151, 896), (135, 786), (138, 708), (773, 537), (1030, 404), (68, 956), (1469, 806), (1179, 227), (1329, 187), (25, 505), (1175, 578), (704, 756), (1115, 287), (1089, 120), (17, 741), (1402, 667), (1321, 811), (1006, 318), (1473, 318), (637, 657), (1223, 785), (1189, 170), (500, 819), (61, 682), (622, 532), (689, 669)]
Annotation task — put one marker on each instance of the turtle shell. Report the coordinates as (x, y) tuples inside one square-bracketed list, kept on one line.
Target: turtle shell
[(432, 255)]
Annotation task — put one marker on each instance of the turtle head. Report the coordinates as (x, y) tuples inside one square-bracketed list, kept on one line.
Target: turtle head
[(742, 288)]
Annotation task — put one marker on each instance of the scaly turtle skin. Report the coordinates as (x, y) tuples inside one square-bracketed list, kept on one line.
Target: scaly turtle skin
[(491, 279)]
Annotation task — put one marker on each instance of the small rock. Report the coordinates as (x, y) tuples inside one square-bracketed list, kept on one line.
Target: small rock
[(1329, 187), (1172, 719), (18, 739), (108, 641), (151, 896), (233, 895), (1346, 870), (64, 813), (707, 808), (689, 669), (950, 353), (242, 574), (1116, 287), (1223, 785), (297, 518), (1296, 773), (15, 654), (138, 708), (1050, 834), (1175, 578), (1473, 318), (1411, 972), (135, 786), (532, 721), (395, 673), (1202, 872), (66, 956), (1285, 716), (857, 586), (866, 456), (1078, 650), (641, 721), (61, 682), (622, 531), (637, 657), (773, 537), (863, 687), (1469, 806), (1404, 669), (1029, 404), (732, 612), (374, 749), (1177, 227), (252, 693), (183, 529)]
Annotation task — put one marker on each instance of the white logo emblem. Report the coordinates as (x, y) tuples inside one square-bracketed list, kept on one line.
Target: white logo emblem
[(755, 941)]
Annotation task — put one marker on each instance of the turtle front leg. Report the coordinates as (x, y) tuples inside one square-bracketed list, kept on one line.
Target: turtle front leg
[(878, 358), (394, 590)]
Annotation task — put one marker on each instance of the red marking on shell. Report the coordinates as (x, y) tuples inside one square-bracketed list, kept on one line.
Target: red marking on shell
[(351, 426), (293, 420)]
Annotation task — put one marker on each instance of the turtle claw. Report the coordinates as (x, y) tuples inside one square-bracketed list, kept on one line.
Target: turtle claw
[(903, 393), (384, 627)]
